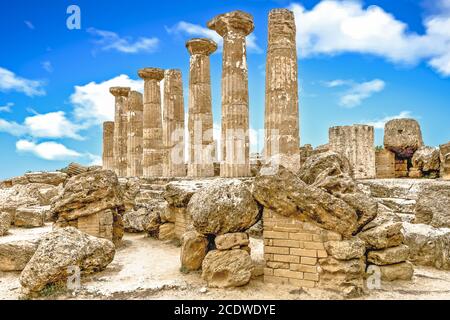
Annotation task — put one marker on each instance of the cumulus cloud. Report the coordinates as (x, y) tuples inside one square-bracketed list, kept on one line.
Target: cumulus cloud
[(9, 81), (7, 107), (94, 104), (108, 40), (194, 30), (47, 150), (356, 92), (334, 27), (379, 123)]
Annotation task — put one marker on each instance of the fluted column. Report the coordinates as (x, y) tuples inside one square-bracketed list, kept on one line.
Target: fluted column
[(201, 141), (173, 125), (234, 27), (281, 106), (108, 145), (153, 144), (120, 129), (135, 134)]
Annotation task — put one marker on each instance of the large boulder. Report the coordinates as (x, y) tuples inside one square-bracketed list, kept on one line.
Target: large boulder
[(145, 219), (232, 240), (288, 195), (433, 206), (50, 178), (166, 231), (130, 189), (90, 194), (15, 254), (226, 206), (389, 255), (31, 217), (61, 249), (194, 247), (398, 271), (224, 269), (179, 193), (354, 248), (428, 246), (403, 137), (426, 159), (321, 165), (5, 223), (383, 236)]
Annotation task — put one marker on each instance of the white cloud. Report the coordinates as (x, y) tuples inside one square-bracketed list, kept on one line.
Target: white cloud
[(11, 127), (47, 66), (7, 107), (95, 160), (47, 150), (94, 104), (109, 40), (334, 27), (9, 81), (379, 123), (29, 24), (357, 92), (194, 30), (52, 125)]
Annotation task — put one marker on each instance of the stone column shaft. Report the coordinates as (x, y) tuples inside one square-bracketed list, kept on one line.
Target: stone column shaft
[(120, 130), (200, 123), (135, 134), (234, 27), (173, 125), (281, 105), (152, 124), (108, 145)]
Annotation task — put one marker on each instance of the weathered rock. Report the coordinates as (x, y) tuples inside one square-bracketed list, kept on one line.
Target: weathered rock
[(30, 217), (403, 136), (51, 178), (257, 230), (322, 165), (428, 246), (166, 231), (74, 169), (433, 206), (287, 195), (194, 247), (426, 159), (141, 220), (61, 249), (14, 255), (168, 214), (384, 236), (366, 208), (224, 269), (347, 249), (5, 223), (178, 194), (399, 271), (226, 206), (389, 256), (229, 240), (130, 188)]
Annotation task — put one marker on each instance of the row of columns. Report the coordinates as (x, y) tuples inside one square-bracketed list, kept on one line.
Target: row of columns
[(148, 135)]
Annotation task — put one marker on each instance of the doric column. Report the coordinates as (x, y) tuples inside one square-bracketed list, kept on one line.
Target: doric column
[(120, 129), (152, 130), (108, 145), (234, 27), (135, 134), (201, 141), (173, 125), (282, 112)]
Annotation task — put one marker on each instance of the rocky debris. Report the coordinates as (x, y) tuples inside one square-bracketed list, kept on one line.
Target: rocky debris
[(194, 247), (403, 137), (145, 219), (323, 165), (131, 188), (383, 236), (224, 269), (31, 217), (179, 193), (5, 223), (92, 201), (166, 231), (61, 249), (346, 249), (389, 255), (433, 206), (226, 206), (344, 276), (288, 195), (428, 246), (232, 241), (168, 214), (74, 169), (399, 271), (426, 161), (50, 178), (14, 255)]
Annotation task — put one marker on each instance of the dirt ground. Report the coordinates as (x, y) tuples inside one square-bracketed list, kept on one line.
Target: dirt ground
[(145, 268)]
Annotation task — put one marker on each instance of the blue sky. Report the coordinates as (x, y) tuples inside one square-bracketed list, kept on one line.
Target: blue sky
[(359, 62)]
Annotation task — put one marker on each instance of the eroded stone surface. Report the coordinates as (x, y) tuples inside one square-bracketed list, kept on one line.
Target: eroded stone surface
[(403, 137), (194, 247)]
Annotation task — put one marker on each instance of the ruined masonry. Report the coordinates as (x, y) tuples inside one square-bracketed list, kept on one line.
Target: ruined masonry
[(282, 111), (135, 134), (234, 27), (201, 142), (120, 130), (108, 145)]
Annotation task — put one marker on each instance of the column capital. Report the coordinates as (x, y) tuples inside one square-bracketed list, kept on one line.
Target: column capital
[(235, 21), (151, 74), (201, 46), (120, 91)]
